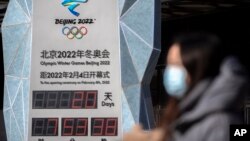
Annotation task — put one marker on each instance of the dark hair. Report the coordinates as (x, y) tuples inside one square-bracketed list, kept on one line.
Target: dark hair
[(202, 55)]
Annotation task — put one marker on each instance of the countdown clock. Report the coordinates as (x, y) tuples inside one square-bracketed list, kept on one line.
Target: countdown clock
[(66, 99), (57, 50)]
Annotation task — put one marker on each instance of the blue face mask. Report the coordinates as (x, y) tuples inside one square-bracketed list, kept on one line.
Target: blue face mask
[(174, 81)]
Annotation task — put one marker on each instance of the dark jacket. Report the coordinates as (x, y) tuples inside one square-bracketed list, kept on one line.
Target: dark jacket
[(212, 106)]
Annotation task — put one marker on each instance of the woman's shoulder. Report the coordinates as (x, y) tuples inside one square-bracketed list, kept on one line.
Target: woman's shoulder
[(214, 126), (220, 120)]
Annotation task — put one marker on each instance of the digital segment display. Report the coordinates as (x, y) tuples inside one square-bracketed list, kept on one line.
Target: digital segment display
[(45, 127), (64, 100), (74, 127), (104, 126)]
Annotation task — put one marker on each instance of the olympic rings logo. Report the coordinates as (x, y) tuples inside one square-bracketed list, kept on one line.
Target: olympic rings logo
[(74, 32)]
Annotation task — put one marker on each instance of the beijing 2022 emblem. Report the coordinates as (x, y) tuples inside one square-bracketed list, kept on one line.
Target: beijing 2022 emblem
[(73, 28), (72, 4)]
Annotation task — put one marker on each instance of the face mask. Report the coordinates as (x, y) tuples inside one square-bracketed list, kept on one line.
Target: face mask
[(175, 81)]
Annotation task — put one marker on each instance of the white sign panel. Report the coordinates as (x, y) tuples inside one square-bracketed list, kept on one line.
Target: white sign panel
[(75, 73)]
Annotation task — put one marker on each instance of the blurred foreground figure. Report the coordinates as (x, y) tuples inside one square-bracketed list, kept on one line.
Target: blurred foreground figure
[(206, 90)]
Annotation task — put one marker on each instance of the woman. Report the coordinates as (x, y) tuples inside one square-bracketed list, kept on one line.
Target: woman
[(205, 88)]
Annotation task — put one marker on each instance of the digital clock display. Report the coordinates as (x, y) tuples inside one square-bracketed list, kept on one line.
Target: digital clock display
[(45, 127), (64, 100), (74, 126), (104, 126)]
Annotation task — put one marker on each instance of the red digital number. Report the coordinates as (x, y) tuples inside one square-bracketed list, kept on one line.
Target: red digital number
[(44, 126), (78, 100), (68, 127), (91, 100), (98, 127), (52, 127), (111, 127), (81, 127)]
